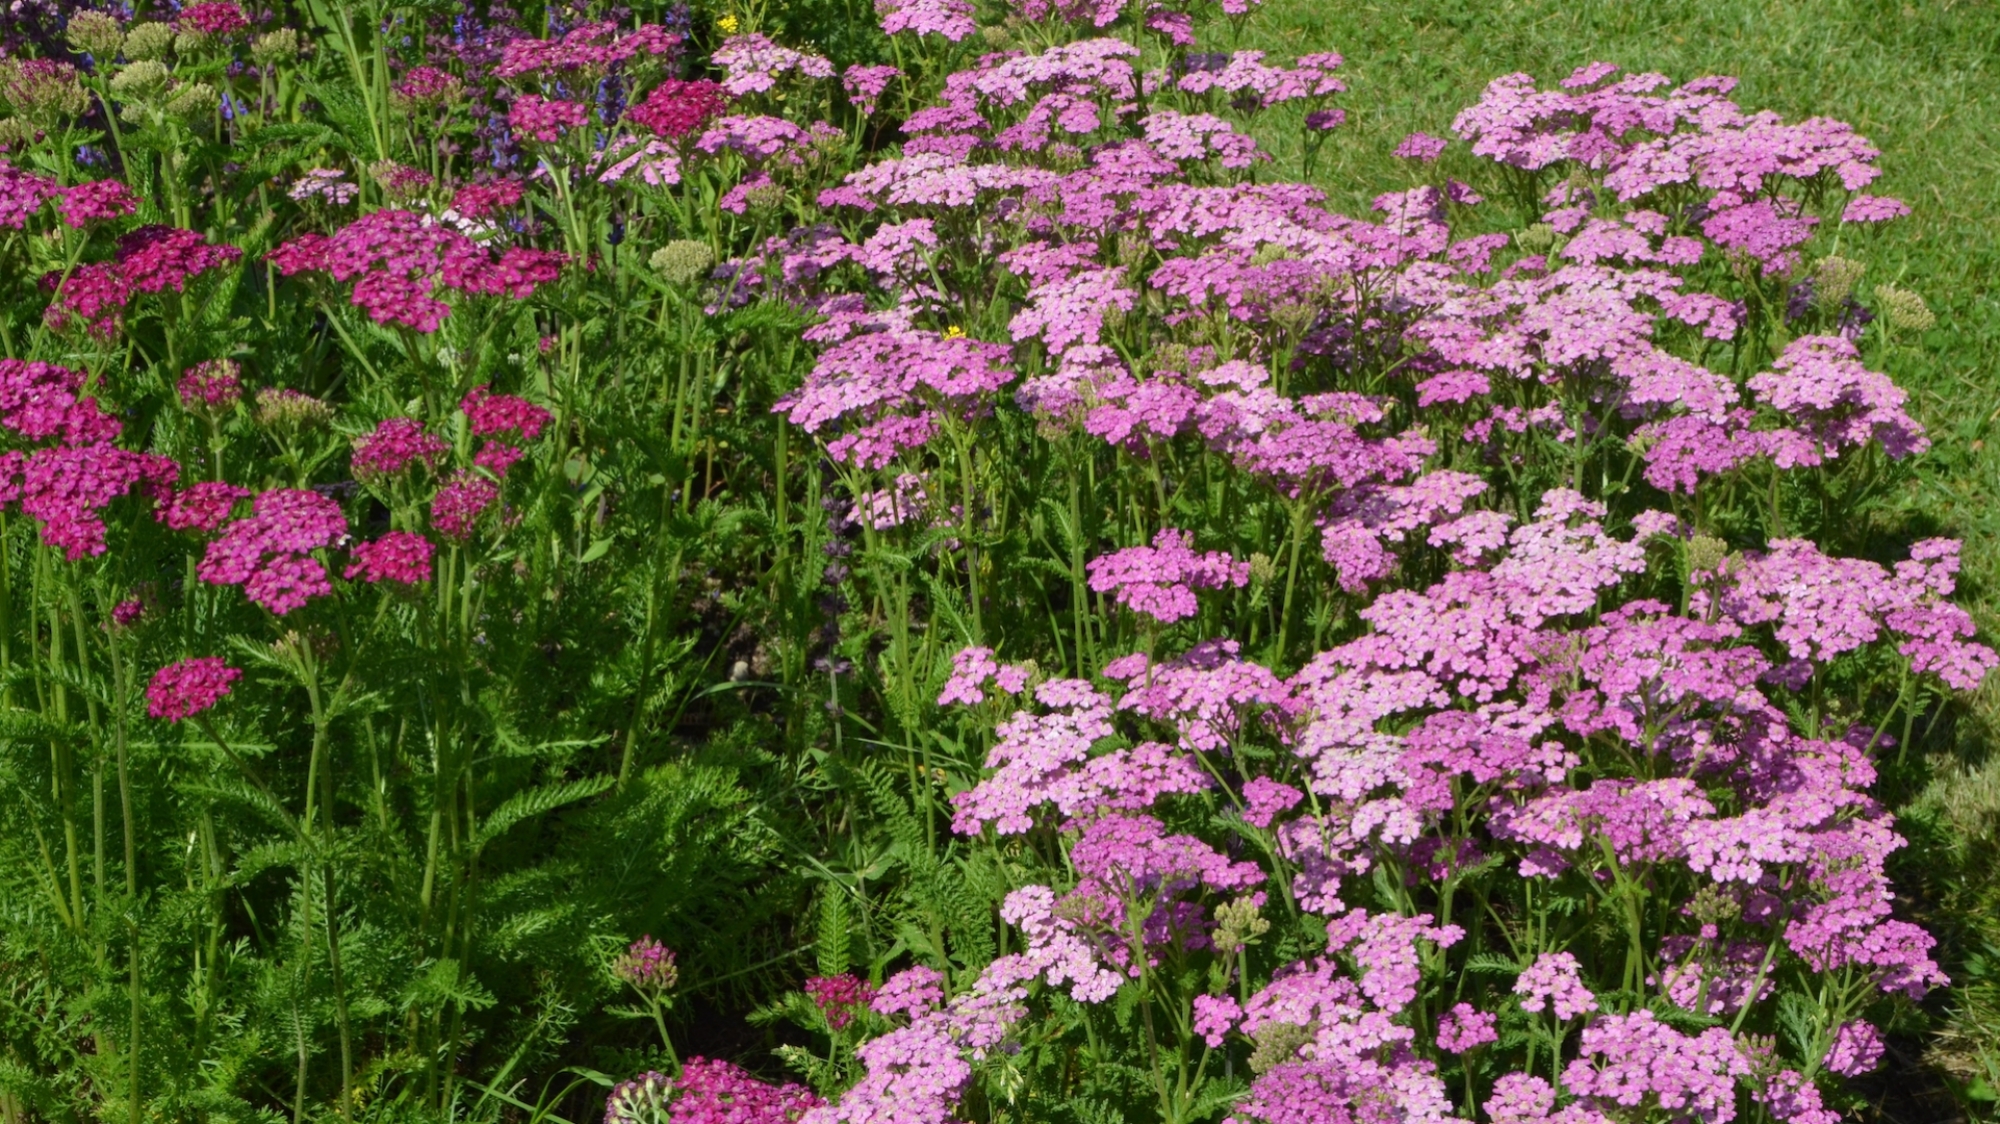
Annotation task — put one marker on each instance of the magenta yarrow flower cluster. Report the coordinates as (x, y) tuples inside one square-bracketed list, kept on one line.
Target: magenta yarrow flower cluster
[(403, 557), (709, 1091), (211, 387), (66, 486), (675, 109), (190, 687), (270, 551), (149, 260), (838, 997), (648, 966), (398, 261), (393, 446)]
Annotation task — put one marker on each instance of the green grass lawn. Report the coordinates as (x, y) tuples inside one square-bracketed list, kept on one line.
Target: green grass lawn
[(1923, 83)]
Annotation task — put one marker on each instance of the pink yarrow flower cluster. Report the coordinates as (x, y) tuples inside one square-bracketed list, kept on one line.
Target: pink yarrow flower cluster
[(675, 109), (589, 48), (839, 997), (182, 690), (99, 201), (151, 259), (399, 556), (269, 552), (66, 486), (397, 262), (1159, 581), (395, 445), (753, 64)]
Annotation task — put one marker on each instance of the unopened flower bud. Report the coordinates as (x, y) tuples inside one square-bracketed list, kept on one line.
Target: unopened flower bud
[(1277, 1043), (764, 200), (96, 34), (278, 408), (212, 387), (141, 80), (1170, 357), (15, 130), (194, 101), (648, 966), (1238, 923), (191, 42), (1705, 553), (1536, 239), (148, 42), (400, 181), (683, 262), (1712, 904), (641, 1100), (1834, 279), (1270, 252), (44, 91), (1904, 309), (1262, 569), (274, 47), (1294, 317)]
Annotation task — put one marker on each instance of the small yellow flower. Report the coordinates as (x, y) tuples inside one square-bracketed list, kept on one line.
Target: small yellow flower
[(954, 333), (727, 25)]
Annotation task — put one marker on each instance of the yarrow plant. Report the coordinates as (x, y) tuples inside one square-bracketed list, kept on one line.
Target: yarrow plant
[(936, 524)]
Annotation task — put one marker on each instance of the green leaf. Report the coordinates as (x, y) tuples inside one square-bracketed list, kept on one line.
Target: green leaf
[(537, 801)]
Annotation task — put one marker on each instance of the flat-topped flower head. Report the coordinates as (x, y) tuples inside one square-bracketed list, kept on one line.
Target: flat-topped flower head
[(456, 508), (839, 997), (213, 17), (330, 184), (156, 258), (66, 490), (399, 556), (1465, 1028), (712, 1091), (269, 551), (395, 445), (190, 687), (22, 194), (676, 109), (39, 401), (201, 507), (865, 85), (585, 50), (1555, 980), (1159, 581), (948, 19), (398, 262), (99, 201), (1421, 147), (753, 64), (492, 414), (484, 200)]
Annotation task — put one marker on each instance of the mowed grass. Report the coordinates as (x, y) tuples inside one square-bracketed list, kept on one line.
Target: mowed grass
[(1922, 81)]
